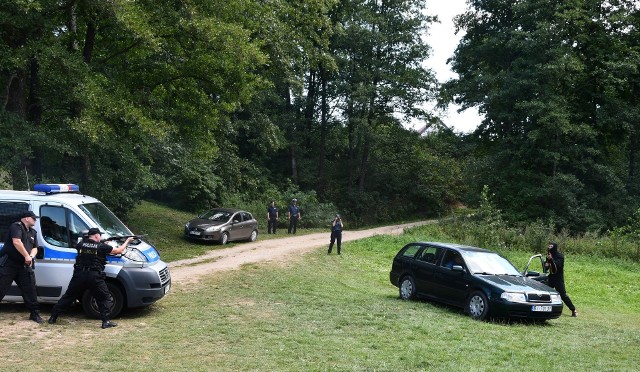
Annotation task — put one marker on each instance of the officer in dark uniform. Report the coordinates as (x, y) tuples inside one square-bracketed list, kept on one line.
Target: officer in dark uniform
[(89, 274), (293, 215), (272, 217), (16, 262), (336, 233), (555, 265)]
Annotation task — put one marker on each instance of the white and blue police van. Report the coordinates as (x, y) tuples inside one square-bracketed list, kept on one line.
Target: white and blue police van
[(137, 278)]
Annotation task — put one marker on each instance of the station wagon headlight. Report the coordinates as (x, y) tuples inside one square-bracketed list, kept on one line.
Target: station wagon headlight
[(555, 299), (513, 297)]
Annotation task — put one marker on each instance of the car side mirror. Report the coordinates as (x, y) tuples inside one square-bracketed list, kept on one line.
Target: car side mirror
[(457, 268)]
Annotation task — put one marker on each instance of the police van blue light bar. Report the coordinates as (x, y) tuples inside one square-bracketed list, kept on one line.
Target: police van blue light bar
[(50, 188)]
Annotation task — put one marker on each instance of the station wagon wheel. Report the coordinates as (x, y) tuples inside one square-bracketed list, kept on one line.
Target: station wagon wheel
[(90, 305), (224, 238), (407, 288), (477, 305), (253, 236)]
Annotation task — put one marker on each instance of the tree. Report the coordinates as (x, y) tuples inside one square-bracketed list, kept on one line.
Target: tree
[(536, 70)]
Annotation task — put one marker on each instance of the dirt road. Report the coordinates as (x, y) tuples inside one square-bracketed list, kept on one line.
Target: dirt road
[(190, 270)]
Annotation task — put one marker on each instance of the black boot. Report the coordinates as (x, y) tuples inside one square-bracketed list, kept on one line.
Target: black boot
[(108, 324), (53, 318), (35, 316)]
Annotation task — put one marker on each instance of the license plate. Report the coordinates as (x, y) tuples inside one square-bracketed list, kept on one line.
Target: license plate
[(166, 289), (194, 232), (541, 308)]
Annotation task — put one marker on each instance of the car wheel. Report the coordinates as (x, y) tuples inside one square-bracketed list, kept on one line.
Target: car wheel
[(478, 306), (407, 288), (90, 305), (253, 236), (224, 238)]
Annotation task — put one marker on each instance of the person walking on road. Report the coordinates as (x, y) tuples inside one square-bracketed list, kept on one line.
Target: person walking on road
[(17, 260), (336, 233)]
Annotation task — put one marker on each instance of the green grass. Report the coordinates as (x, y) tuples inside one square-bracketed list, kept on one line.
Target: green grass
[(318, 312)]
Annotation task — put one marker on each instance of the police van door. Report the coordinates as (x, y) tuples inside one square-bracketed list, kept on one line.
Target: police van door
[(59, 231)]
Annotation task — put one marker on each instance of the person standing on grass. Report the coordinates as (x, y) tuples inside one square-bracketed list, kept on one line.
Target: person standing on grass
[(272, 217), (336, 233), (16, 262), (88, 273), (293, 215), (555, 265)]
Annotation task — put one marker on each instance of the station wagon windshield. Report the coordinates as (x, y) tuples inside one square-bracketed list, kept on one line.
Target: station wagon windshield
[(489, 263), (216, 215), (104, 218)]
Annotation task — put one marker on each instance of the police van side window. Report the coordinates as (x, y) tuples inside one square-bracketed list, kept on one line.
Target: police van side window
[(53, 226), (9, 213), (60, 227)]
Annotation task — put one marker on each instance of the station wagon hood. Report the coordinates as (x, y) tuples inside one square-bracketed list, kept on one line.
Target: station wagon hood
[(513, 283)]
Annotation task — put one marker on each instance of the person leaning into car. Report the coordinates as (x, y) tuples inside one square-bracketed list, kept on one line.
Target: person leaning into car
[(555, 265), (272, 217)]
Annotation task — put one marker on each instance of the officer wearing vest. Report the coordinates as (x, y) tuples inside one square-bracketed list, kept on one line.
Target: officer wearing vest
[(16, 262), (88, 274)]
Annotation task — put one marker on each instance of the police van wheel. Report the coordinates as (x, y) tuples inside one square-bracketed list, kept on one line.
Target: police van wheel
[(90, 305)]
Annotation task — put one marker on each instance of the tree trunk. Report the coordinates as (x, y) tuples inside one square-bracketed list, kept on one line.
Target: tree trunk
[(323, 133)]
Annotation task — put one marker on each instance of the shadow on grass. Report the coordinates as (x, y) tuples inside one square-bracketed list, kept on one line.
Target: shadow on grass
[(457, 312)]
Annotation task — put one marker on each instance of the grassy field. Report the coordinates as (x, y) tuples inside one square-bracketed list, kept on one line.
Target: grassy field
[(318, 312)]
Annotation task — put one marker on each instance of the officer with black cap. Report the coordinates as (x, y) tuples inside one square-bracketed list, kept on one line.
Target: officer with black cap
[(88, 273), (16, 262)]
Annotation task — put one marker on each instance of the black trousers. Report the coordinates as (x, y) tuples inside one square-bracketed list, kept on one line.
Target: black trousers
[(559, 286), (271, 225), (293, 224), (81, 281), (24, 278), (336, 236)]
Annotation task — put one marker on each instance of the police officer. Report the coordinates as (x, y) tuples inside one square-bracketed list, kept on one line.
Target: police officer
[(293, 215), (16, 262), (88, 274), (272, 217), (336, 233)]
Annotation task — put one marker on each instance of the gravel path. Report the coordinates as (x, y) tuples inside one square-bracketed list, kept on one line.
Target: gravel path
[(190, 270)]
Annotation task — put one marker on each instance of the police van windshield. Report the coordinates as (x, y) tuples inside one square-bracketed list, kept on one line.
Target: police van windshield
[(108, 221)]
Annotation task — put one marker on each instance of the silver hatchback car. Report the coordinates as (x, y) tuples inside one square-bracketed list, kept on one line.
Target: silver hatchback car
[(222, 225)]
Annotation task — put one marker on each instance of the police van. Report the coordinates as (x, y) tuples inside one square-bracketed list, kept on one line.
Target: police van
[(136, 278)]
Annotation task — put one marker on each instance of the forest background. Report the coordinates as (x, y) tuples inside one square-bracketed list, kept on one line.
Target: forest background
[(207, 103)]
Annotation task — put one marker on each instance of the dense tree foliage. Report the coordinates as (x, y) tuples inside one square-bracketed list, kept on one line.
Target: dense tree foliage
[(210, 102), (557, 83), (203, 102)]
